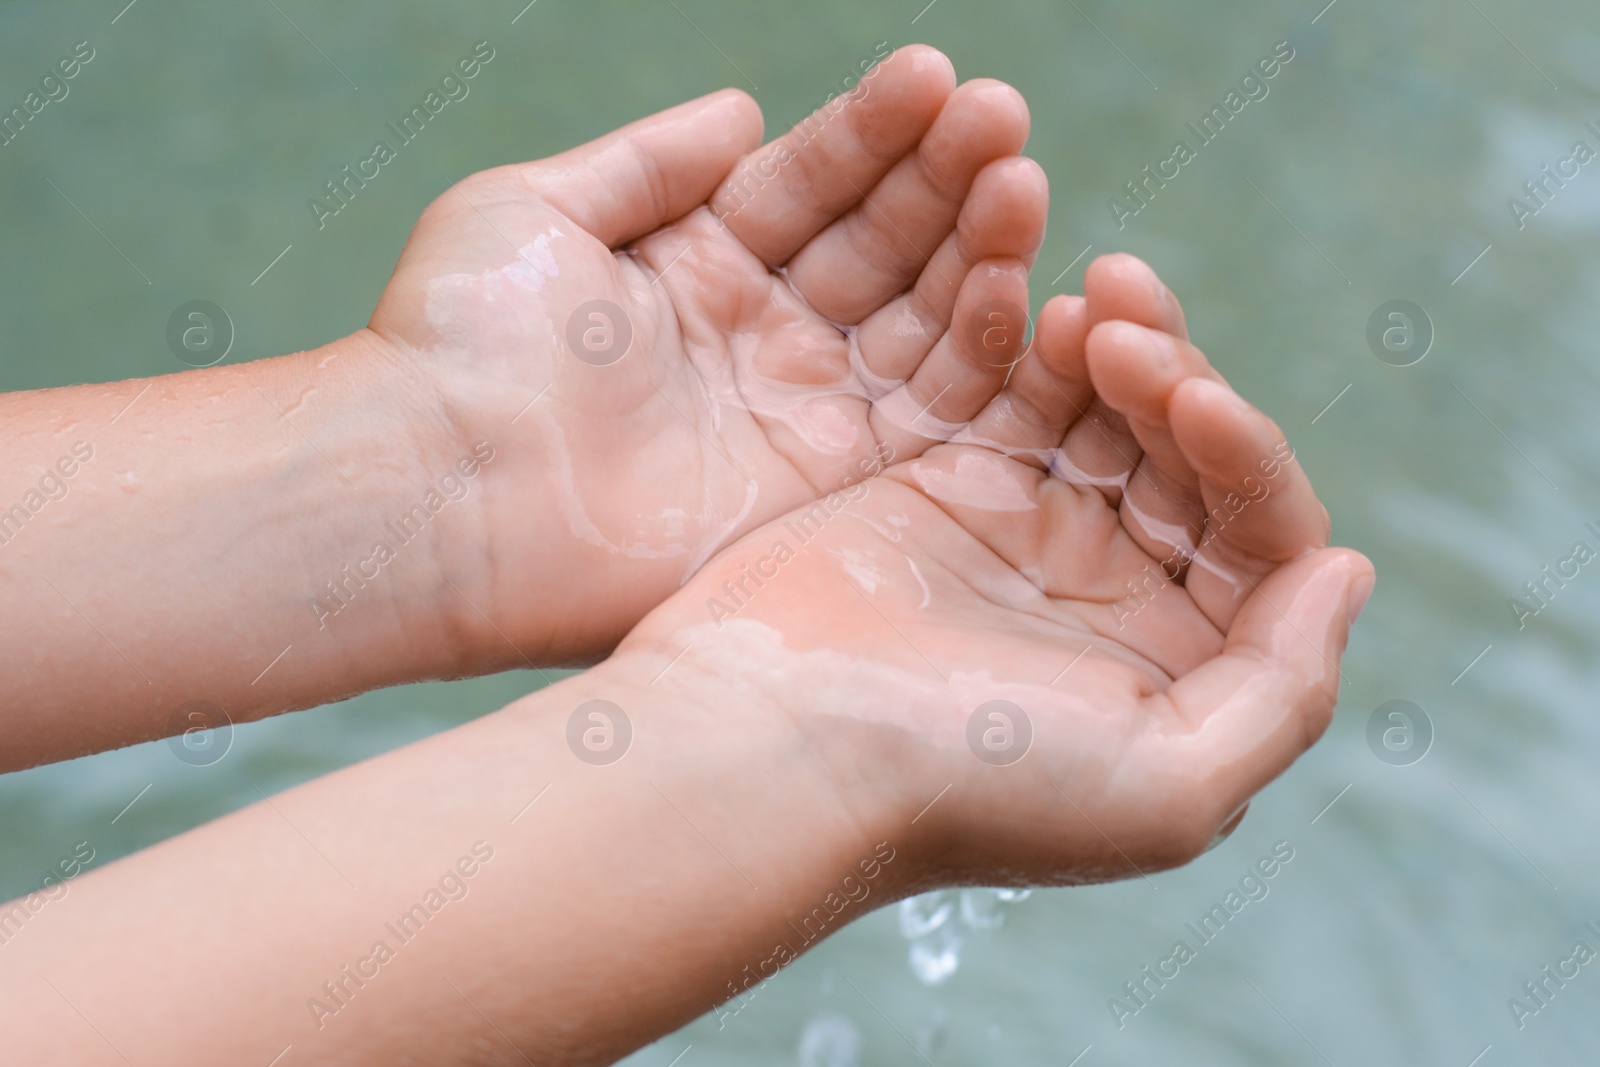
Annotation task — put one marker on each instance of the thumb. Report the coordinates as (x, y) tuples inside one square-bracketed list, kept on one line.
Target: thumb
[(1240, 719), (650, 172)]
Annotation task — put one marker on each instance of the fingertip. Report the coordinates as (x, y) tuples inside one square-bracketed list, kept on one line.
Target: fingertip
[(1270, 695), (1309, 595), (1332, 599), (1116, 349), (1034, 172), (926, 63), (1017, 182), (1120, 285), (1207, 418), (1058, 335), (1065, 307), (1341, 576), (1120, 336), (915, 80), (1004, 106), (1005, 209), (1363, 579), (1061, 323), (651, 171), (745, 122), (1113, 269)]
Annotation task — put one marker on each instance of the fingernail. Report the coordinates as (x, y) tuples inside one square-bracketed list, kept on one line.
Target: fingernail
[(1356, 598)]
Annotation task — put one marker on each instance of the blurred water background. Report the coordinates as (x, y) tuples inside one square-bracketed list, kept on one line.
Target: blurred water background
[(1425, 887)]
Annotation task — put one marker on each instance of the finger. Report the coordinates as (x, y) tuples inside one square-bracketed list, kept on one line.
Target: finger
[(1102, 449), (1120, 286), (1135, 371), (1260, 507), (966, 367), (879, 246), (780, 196), (650, 172), (1047, 392), (1239, 720), (1003, 218)]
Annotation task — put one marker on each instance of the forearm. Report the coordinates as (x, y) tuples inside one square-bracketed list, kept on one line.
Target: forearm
[(605, 904), (203, 545)]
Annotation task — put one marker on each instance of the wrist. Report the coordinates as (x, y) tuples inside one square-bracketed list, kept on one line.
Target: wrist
[(880, 746), (817, 792), (416, 496), (704, 825), (552, 573)]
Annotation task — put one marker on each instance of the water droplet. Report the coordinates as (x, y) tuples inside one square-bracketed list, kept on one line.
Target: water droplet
[(830, 1040), (923, 914), (934, 957), (982, 909)]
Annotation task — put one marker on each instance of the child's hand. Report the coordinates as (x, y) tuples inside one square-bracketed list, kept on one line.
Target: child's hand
[(1024, 564), (644, 331)]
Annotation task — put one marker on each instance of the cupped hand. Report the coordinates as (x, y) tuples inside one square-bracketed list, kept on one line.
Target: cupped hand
[(670, 336), (1067, 646)]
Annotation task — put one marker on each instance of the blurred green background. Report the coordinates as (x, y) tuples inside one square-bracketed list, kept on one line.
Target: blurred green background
[(1377, 168)]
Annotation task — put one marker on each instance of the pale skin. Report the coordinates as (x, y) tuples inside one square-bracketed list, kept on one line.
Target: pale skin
[(795, 735), (262, 482)]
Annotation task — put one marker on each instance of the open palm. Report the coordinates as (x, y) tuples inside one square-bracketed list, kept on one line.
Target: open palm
[(675, 338), (1102, 619)]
